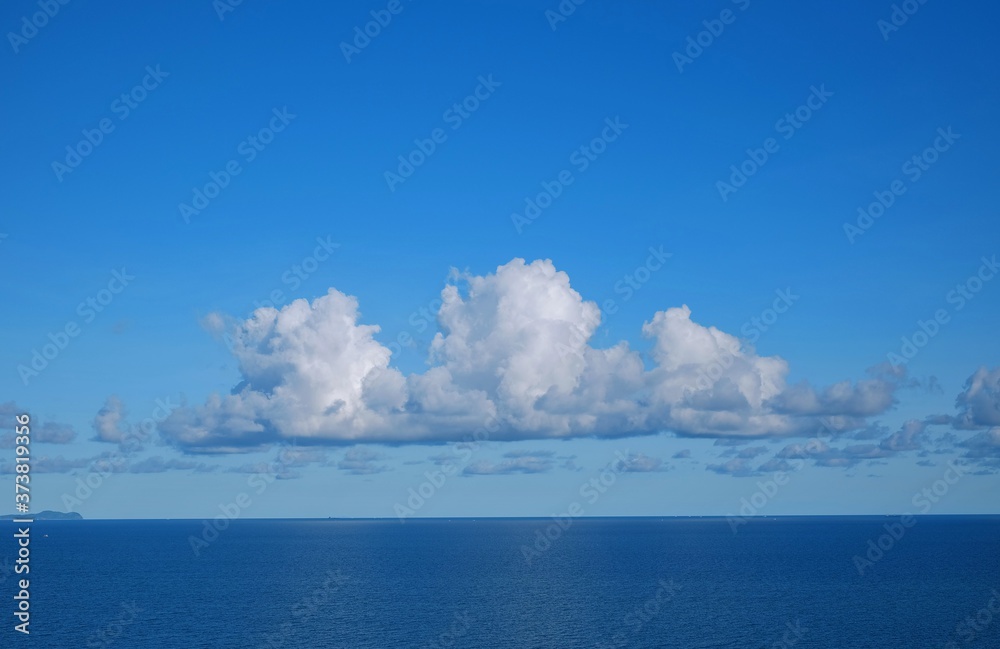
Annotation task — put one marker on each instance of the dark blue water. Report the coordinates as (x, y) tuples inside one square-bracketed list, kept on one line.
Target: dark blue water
[(601, 582)]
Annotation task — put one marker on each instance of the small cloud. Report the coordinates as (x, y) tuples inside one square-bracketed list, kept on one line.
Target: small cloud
[(523, 453), (47, 464), (775, 465), (519, 464), (157, 464), (751, 452), (214, 323), (641, 463), (739, 467), (47, 432), (362, 461), (52, 433), (910, 437), (570, 464), (441, 459), (109, 423), (729, 441), (979, 402), (870, 432)]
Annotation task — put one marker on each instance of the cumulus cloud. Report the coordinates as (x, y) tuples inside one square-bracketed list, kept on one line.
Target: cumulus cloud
[(910, 437), (862, 399), (514, 357), (979, 402), (984, 446), (109, 423), (978, 406)]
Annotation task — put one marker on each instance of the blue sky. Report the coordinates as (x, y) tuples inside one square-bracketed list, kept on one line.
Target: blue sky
[(823, 108)]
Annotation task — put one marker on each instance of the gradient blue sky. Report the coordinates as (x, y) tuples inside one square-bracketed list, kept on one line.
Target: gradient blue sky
[(323, 176)]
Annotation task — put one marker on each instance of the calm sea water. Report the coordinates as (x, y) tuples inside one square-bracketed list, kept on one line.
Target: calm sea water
[(466, 583)]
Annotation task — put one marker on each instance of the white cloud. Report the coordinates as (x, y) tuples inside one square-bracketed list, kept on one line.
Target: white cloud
[(49, 432), (109, 424), (642, 463), (518, 463), (362, 461), (979, 402), (514, 354)]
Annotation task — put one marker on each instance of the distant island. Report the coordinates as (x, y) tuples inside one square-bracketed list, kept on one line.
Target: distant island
[(46, 515)]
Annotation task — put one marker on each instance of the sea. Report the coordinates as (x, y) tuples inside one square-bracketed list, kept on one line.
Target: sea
[(831, 582)]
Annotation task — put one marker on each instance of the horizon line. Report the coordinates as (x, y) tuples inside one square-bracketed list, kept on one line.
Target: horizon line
[(546, 518)]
